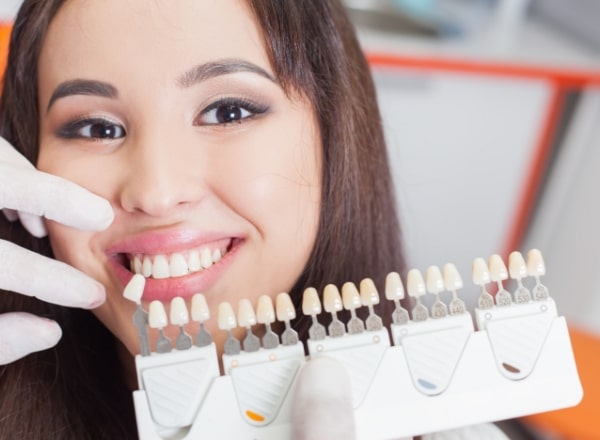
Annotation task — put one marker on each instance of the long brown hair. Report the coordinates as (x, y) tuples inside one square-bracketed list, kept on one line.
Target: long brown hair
[(75, 390)]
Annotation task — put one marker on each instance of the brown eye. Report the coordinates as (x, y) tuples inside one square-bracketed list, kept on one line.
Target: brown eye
[(229, 111), (98, 129)]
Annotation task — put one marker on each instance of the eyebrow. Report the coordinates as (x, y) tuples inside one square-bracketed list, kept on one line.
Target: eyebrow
[(212, 69), (82, 87), (193, 76)]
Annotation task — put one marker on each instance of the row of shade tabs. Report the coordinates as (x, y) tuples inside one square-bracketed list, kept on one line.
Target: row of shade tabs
[(349, 297)]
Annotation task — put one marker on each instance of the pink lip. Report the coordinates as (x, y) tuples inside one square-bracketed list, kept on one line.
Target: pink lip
[(165, 243)]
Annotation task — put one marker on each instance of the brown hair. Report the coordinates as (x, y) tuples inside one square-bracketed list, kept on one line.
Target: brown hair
[(73, 390)]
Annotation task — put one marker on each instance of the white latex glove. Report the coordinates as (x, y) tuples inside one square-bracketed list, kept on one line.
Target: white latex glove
[(29, 195), (323, 402)]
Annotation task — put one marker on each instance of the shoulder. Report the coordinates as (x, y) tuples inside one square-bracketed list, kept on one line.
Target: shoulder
[(486, 431)]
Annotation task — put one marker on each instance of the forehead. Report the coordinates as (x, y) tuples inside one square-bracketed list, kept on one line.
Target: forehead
[(158, 37)]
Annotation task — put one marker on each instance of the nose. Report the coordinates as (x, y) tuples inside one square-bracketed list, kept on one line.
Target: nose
[(160, 179)]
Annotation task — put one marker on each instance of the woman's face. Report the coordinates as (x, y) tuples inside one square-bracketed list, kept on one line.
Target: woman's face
[(170, 110)]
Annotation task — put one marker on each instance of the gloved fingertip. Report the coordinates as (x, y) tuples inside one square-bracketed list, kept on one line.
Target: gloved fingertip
[(34, 224)]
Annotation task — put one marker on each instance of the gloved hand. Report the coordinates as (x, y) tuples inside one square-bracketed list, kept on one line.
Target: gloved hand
[(29, 195), (322, 406)]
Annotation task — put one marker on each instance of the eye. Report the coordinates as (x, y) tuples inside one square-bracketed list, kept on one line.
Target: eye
[(229, 111), (93, 128)]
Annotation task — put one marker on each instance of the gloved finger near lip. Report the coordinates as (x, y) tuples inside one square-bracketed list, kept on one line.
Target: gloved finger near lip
[(23, 333), (34, 224), (52, 197), (50, 280), (323, 406)]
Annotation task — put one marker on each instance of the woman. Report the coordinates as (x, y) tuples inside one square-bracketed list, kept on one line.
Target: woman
[(280, 143), (243, 134)]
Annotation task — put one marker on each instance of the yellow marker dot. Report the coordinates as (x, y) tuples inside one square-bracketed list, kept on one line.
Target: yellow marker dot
[(254, 416)]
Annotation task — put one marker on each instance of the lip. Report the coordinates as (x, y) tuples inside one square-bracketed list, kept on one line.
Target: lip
[(154, 243)]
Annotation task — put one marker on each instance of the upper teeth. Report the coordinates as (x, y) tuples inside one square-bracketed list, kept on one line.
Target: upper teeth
[(174, 265)]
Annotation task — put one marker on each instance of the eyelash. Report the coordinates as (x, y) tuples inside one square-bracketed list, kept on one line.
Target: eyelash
[(239, 110), (74, 130), (243, 108)]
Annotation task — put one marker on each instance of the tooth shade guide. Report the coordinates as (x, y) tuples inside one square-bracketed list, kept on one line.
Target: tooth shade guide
[(332, 302), (286, 311), (416, 289), (352, 301), (370, 297), (247, 318), (311, 306), (394, 291), (518, 271)]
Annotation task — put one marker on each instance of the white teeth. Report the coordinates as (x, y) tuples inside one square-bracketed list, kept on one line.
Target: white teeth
[(160, 268), (137, 265), (194, 264), (147, 267), (176, 264), (206, 258)]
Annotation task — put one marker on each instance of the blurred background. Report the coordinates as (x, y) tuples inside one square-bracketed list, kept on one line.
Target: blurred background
[(492, 114)]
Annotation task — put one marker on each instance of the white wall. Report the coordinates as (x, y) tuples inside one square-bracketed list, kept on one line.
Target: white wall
[(8, 9)]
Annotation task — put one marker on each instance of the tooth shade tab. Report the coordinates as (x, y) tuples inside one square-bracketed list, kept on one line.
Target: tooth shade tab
[(516, 266), (246, 316), (311, 304), (452, 279), (178, 312), (200, 310), (157, 316), (415, 283), (135, 288), (226, 316), (435, 282), (332, 301), (265, 313), (284, 307), (368, 292), (394, 290), (481, 272), (350, 296), (535, 263), (497, 267)]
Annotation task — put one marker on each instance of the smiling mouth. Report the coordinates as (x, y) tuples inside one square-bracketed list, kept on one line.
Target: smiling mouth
[(176, 264)]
